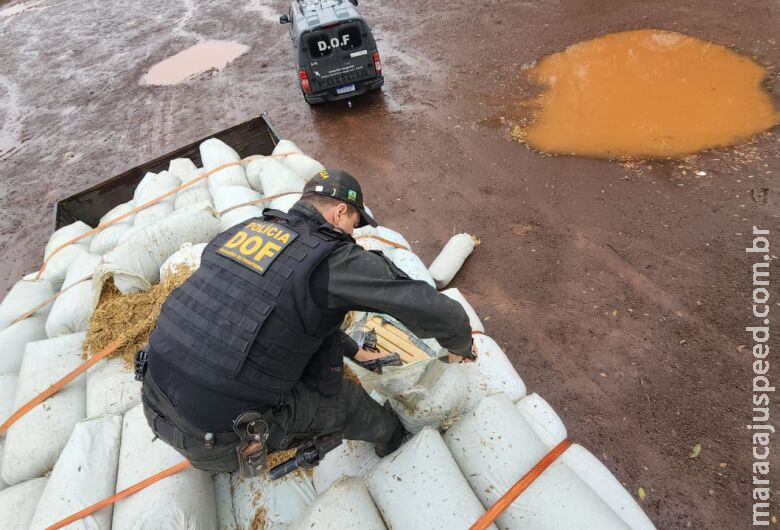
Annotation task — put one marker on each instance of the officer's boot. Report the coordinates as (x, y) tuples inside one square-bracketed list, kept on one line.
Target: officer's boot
[(397, 437)]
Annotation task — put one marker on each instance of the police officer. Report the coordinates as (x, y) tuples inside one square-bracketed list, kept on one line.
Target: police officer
[(256, 330)]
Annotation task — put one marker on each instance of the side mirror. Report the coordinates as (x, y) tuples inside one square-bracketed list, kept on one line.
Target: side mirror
[(354, 2), (284, 19)]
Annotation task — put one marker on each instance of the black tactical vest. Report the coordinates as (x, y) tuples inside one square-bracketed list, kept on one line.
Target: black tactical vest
[(245, 324)]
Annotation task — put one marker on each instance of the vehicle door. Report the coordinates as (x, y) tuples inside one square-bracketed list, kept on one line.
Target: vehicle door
[(293, 29), (320, 48), (357, 60)]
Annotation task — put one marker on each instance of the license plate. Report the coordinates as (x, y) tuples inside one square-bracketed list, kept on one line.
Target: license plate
[(344, 89)]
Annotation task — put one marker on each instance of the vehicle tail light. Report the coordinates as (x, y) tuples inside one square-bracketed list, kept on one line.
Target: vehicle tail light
[(377, 63), (304, 77)]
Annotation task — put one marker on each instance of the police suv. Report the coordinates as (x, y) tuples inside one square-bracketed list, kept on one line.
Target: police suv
[(334, 50)]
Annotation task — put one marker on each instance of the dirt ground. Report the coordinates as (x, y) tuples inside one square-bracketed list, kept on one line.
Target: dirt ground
[(619, 290)]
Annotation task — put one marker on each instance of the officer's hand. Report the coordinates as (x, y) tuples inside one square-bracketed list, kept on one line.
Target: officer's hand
[(458, 359), (364, 355)]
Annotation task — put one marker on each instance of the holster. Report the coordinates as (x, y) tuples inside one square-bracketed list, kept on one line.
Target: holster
[(252, 450), (141, 361)]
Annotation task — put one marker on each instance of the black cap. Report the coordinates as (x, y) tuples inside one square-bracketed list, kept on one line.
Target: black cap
[(342, 186)]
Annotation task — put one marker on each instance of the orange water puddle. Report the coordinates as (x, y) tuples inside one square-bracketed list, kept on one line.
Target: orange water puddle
[(204, 56), (647, 93)]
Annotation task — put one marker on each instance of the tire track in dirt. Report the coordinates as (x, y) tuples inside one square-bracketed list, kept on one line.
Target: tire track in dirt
[(180, 27), (11, 129)]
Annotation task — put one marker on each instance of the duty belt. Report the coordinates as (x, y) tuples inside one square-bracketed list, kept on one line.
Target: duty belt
[(168, 424)]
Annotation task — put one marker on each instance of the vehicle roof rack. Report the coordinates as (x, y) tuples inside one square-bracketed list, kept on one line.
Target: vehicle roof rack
[(313, 5), (317, 12)]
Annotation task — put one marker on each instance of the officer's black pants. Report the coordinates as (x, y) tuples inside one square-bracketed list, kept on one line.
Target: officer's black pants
[(306, 414)]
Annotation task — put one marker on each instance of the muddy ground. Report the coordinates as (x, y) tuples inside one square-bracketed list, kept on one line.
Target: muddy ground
[(619, 290)]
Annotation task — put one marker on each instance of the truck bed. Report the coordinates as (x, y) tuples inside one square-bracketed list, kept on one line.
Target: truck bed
[(253, 137)]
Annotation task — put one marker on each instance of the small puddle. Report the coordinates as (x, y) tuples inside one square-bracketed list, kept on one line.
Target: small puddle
[(202, 57), (647, 93)]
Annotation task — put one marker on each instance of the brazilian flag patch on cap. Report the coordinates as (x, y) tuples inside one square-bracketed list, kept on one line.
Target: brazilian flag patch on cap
[(351, 195)]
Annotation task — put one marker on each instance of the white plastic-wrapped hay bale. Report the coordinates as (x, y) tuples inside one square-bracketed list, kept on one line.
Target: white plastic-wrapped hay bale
[(436, 399), (508, 449), (596, 475), (239, 215), (215, 153), (411, 264), (118, 211), (231, 196), (392, 235), (72, 309), (127, 234), (184, 170), (285, 147), (549, 428), (284, 204), (202, 206), (57, 263), (301, 165), (187, 256), (192, 195), (365, 236), (155, 185), (24, 296), (18, 503), (256, 168), (491, 373), (542, 418), (346, 505), (451, 259), (421, 486), (151, 187), (226, 518), (272, 177), (7, 393), (271, 504), (434, 393), (183, 500), (34, 442), (109, 237), (476, 323), (3, 485), (353, 458), (14, 339), (196, 193), (153, 214), (380, 238), (111, 388), (84, 474), (135, 263), (228, 201)]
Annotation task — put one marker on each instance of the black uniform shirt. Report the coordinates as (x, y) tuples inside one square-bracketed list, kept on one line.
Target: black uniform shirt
[(368, 281)]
